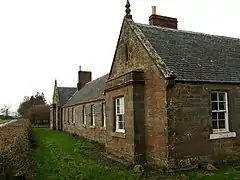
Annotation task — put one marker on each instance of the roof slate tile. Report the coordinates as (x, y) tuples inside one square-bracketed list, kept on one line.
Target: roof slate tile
[(91, 91), (196, 56), (65, 93)]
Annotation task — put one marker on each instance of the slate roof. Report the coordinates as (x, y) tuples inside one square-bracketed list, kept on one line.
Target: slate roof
[(65, 93), (196, 56), (91, 91)]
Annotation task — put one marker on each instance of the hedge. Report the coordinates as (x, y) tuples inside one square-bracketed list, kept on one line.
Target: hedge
[(15, 151)]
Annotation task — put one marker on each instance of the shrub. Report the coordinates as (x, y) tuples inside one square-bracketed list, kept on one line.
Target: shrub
[(39, 114), (15, 150)]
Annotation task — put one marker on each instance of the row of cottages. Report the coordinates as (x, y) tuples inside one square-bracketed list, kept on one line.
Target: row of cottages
[(171, 97)]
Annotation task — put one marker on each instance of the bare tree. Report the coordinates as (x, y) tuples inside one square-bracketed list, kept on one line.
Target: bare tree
[(5, 110)]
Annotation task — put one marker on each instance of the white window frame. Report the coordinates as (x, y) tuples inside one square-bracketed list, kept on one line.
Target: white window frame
[(119, 113), (104, 114), (93, 115), (226, 129), (84, 116)]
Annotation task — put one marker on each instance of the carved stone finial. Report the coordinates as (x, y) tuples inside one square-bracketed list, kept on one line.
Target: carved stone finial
[(128, 10)]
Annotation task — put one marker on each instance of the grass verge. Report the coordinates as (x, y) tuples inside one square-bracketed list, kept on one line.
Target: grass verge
[(60, 156)]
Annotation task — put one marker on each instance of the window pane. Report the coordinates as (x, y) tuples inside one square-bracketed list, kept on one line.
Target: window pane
[(214, 115), (214, 106), (221, 124), (120, 118), (122, 109), (122, 101), (221, 115), (117, 101), (214, 124), (221, 105), (221, 97), (121, 122), (214, 96), (121, 125), (118, 109)]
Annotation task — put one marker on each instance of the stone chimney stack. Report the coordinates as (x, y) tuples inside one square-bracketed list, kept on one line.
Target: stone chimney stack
[(83, 78), (162, 21)]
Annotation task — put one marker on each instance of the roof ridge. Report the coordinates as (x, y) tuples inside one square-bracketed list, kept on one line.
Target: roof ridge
[(189, 32)]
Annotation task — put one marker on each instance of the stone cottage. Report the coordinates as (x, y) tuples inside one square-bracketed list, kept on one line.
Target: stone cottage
[(171, 97)]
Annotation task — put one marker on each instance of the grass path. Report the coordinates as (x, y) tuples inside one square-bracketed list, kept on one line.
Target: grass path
[(62, 157)]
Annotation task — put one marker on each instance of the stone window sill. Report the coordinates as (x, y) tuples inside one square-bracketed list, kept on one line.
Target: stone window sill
[(103, 128), (221, 135), (118, 135), (92, 127)]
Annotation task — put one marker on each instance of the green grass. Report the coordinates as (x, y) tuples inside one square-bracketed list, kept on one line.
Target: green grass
[(60, 156), (2, 121), (230, 173)]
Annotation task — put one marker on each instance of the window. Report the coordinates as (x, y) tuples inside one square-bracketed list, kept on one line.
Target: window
[(103, 115), (119, 109), (219, 112), (92, 115), (63, 115), (72, 115), (84, 116), (68, 115)]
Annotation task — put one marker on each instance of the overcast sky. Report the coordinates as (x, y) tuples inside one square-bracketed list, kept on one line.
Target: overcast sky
[(48, 39)]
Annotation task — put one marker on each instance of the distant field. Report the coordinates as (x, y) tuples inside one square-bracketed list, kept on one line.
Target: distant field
[(3, 121)]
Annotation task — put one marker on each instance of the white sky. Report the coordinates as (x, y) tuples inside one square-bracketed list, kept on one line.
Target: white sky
[(48, 39)]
